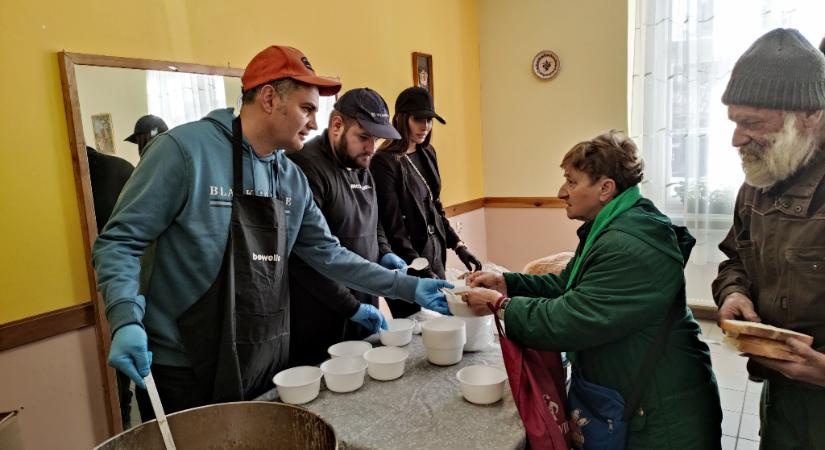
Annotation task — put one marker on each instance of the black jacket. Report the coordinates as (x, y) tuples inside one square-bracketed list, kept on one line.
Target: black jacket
[(108, 174), (404, 215), (321, 308)]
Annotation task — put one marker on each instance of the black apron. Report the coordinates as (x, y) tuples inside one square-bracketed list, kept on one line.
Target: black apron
[(237, 334)]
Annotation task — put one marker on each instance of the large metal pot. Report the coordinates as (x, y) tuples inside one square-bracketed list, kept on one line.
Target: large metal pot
[(241, 425)]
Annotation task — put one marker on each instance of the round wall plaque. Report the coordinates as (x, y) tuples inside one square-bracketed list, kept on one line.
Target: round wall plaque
[(546, 65)]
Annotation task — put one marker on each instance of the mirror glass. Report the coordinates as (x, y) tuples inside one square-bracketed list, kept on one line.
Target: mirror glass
[(112, 99)]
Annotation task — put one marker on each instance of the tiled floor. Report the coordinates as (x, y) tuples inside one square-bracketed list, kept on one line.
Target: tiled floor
[(740, 397)]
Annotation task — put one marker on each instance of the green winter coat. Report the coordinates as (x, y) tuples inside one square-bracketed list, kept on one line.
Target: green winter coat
[(610, 317)]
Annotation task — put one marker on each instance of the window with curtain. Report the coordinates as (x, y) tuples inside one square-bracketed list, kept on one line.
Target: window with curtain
[(180, 98), (682, 55)]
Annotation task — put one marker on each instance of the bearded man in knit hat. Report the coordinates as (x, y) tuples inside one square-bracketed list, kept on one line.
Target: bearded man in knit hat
[(775, 271)]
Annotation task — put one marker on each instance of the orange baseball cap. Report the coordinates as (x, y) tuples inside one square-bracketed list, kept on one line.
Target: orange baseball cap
[(277, 62)]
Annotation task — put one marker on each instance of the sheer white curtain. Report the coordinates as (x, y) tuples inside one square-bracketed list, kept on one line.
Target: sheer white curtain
[(683, 52), (179, 98)]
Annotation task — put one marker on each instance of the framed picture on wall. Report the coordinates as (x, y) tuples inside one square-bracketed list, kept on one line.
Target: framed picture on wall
[(102, 128), (422, 66)]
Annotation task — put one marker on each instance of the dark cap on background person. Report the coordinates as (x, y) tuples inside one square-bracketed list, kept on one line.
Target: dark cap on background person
[(781, 70), (370, 110), (149, 125), (417, 102), (277, 62)]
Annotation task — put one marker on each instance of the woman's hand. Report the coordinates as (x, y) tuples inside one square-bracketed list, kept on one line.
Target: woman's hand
[(478, 299), (489, 280)]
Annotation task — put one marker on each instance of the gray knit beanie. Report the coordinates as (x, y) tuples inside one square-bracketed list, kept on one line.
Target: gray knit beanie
[(781, 70)]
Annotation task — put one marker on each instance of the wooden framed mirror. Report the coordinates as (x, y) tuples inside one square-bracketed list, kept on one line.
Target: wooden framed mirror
[(104, 96)]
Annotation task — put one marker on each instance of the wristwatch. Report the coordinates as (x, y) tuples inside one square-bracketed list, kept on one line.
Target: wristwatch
[(502, 305)]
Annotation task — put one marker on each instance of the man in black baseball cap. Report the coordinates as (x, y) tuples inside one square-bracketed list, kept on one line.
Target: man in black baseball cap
[(146, 128), (336, 164)]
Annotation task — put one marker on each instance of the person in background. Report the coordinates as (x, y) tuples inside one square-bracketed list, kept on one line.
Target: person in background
[(108, 174), (776, 245), (625, 281), (146, 128), (408, 185), (336, 164), (208, 311)]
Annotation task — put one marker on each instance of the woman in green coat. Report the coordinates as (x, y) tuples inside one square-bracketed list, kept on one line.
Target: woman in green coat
[(609, 303)]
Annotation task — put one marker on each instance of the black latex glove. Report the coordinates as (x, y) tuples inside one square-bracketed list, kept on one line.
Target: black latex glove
[(423, 273), (469, 260)]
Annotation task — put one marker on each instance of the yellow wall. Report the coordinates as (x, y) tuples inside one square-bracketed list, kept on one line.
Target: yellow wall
[(366, 42), (529, 124)]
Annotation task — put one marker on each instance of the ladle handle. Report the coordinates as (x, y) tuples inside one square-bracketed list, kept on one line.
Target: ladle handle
[(160, 416)]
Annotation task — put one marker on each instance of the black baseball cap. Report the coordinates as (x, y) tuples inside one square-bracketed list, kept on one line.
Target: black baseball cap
[(370, 110), (418, 102), (148, 124)]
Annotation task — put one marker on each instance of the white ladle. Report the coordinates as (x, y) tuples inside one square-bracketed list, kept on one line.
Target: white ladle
[(160, 416)]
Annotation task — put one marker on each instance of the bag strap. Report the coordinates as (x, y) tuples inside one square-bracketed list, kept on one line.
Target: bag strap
[(635, 397)]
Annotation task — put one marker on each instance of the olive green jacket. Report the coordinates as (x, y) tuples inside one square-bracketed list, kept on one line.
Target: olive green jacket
[(610, 317)]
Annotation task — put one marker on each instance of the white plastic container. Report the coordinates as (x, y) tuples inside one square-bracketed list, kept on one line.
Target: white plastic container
[(386, 363), (482, 385), (399, 333), (444, 332), (445, 356), (349, 348), (298, 385), (345, 373)]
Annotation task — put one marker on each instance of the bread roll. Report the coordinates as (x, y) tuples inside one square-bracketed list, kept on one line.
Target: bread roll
[(741, 327), (768, 348)]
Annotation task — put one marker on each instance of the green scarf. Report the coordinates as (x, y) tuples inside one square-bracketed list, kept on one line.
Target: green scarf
[(613, 209)]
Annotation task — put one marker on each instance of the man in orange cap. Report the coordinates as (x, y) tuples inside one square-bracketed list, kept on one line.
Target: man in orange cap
[(223, 208)]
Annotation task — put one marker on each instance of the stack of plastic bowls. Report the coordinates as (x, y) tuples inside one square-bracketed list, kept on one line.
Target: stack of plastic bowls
[(444, 339)]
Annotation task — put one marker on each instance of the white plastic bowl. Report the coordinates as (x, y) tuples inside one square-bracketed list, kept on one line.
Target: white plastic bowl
[(386, 363), (444, 333), (445, 356), (482, 385), (298, 385), (399, 332), (456, 304), (345, 373), (349, 348)]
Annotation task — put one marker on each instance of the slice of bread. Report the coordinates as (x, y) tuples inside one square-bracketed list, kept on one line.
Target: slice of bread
[(738, 328), (768, 348)]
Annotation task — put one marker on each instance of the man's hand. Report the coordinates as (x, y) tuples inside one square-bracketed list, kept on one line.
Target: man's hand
[(370, 318), (489, 280), (811, 371), (737, 306), (428, 294), (478, 298), (470, 261), (392, 261), (129, 353)]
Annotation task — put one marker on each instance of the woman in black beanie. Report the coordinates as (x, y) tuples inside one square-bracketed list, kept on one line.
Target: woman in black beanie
[(408, 186)]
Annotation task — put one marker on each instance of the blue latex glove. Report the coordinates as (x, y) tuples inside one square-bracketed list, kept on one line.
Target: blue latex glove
[(428, 294), (130, 354), (392, 261), (369, 317)]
